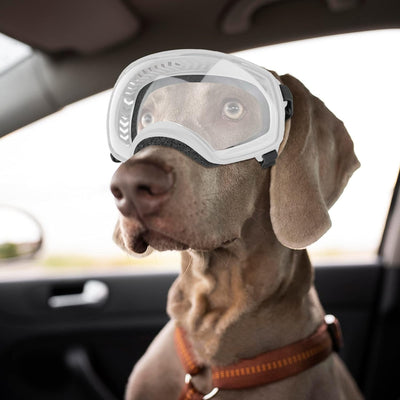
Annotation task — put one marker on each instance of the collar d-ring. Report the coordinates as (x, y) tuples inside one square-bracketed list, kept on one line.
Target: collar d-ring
[(210, 395)]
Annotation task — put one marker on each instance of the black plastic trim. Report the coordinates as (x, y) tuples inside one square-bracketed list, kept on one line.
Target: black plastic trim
[(114, 159), (287, 96), (79, 363), (269, 159)]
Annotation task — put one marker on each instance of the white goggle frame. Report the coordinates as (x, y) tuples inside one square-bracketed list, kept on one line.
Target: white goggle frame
[(194, 62)]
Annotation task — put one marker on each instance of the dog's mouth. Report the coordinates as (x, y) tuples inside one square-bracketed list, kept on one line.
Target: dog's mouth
[(140, 240), (161, 241)]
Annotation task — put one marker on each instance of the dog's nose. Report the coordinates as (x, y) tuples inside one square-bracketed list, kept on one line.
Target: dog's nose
[(141, 187)]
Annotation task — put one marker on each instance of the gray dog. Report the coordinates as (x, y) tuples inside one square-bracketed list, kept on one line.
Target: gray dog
[(246, 285)]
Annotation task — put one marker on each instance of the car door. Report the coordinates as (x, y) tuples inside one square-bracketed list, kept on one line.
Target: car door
[(81, 351)]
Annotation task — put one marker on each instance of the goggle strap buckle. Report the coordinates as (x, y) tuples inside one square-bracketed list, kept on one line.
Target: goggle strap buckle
[(287, 96), (269, 159)]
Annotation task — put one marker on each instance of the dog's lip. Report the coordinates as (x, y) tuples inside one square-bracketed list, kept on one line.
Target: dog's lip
[(221, 245), (151, 236), (162, 241)]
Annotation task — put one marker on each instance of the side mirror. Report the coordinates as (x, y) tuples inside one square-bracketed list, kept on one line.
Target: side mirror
[(21, 235)]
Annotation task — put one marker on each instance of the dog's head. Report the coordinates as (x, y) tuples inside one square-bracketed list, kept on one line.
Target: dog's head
[(169, 201)]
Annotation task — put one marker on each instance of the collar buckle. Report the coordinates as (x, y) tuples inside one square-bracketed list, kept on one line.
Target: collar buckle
[(335, 332)]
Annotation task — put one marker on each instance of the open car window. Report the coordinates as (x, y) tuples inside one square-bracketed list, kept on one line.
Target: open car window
[(355, 76), (59, 169)]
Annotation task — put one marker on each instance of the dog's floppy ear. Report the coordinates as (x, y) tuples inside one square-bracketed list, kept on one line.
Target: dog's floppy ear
[(315, 162), (119, 240)]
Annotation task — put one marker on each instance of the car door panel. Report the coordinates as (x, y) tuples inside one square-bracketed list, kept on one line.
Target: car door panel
[(36, 341)]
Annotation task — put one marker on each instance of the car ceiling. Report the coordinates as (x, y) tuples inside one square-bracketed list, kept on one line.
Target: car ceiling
[(82, 46), (92, 26)]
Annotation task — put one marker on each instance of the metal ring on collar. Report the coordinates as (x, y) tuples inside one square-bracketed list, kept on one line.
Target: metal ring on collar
[(188, 379)]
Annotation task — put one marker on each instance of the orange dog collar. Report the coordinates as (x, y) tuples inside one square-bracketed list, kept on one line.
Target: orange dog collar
[(266, 368)]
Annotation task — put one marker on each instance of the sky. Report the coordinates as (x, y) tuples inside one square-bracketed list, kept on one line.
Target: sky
[(59, 168)]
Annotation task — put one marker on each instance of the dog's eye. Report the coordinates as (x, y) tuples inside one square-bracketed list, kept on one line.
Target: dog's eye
[(147, 119), (233, 110)]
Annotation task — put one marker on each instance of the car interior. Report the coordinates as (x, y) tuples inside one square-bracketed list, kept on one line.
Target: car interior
[(87, 349)]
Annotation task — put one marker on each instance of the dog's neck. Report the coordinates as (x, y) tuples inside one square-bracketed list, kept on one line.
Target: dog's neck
[(247, 298)]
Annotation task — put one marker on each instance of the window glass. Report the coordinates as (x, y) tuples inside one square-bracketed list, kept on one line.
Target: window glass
[(356, 76), (59, 169)]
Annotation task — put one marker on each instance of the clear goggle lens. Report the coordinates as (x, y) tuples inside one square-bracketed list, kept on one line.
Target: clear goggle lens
[(224, 112)]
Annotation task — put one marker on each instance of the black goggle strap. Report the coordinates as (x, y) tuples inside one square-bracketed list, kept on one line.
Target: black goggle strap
[(287, 96), (269, 159)]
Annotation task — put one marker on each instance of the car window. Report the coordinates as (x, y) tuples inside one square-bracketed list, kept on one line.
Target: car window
[(356, 76), (58, 169)]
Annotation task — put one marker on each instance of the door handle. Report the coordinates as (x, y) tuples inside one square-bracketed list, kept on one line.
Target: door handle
[(94, 293)]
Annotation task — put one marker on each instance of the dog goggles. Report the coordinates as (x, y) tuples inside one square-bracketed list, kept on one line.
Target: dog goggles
[(215, 108)]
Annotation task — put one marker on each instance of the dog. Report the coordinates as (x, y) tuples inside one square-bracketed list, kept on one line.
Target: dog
[(246, 282)]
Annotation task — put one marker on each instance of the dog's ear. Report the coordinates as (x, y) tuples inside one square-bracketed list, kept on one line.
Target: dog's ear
[(119, 240), (315, 162)]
